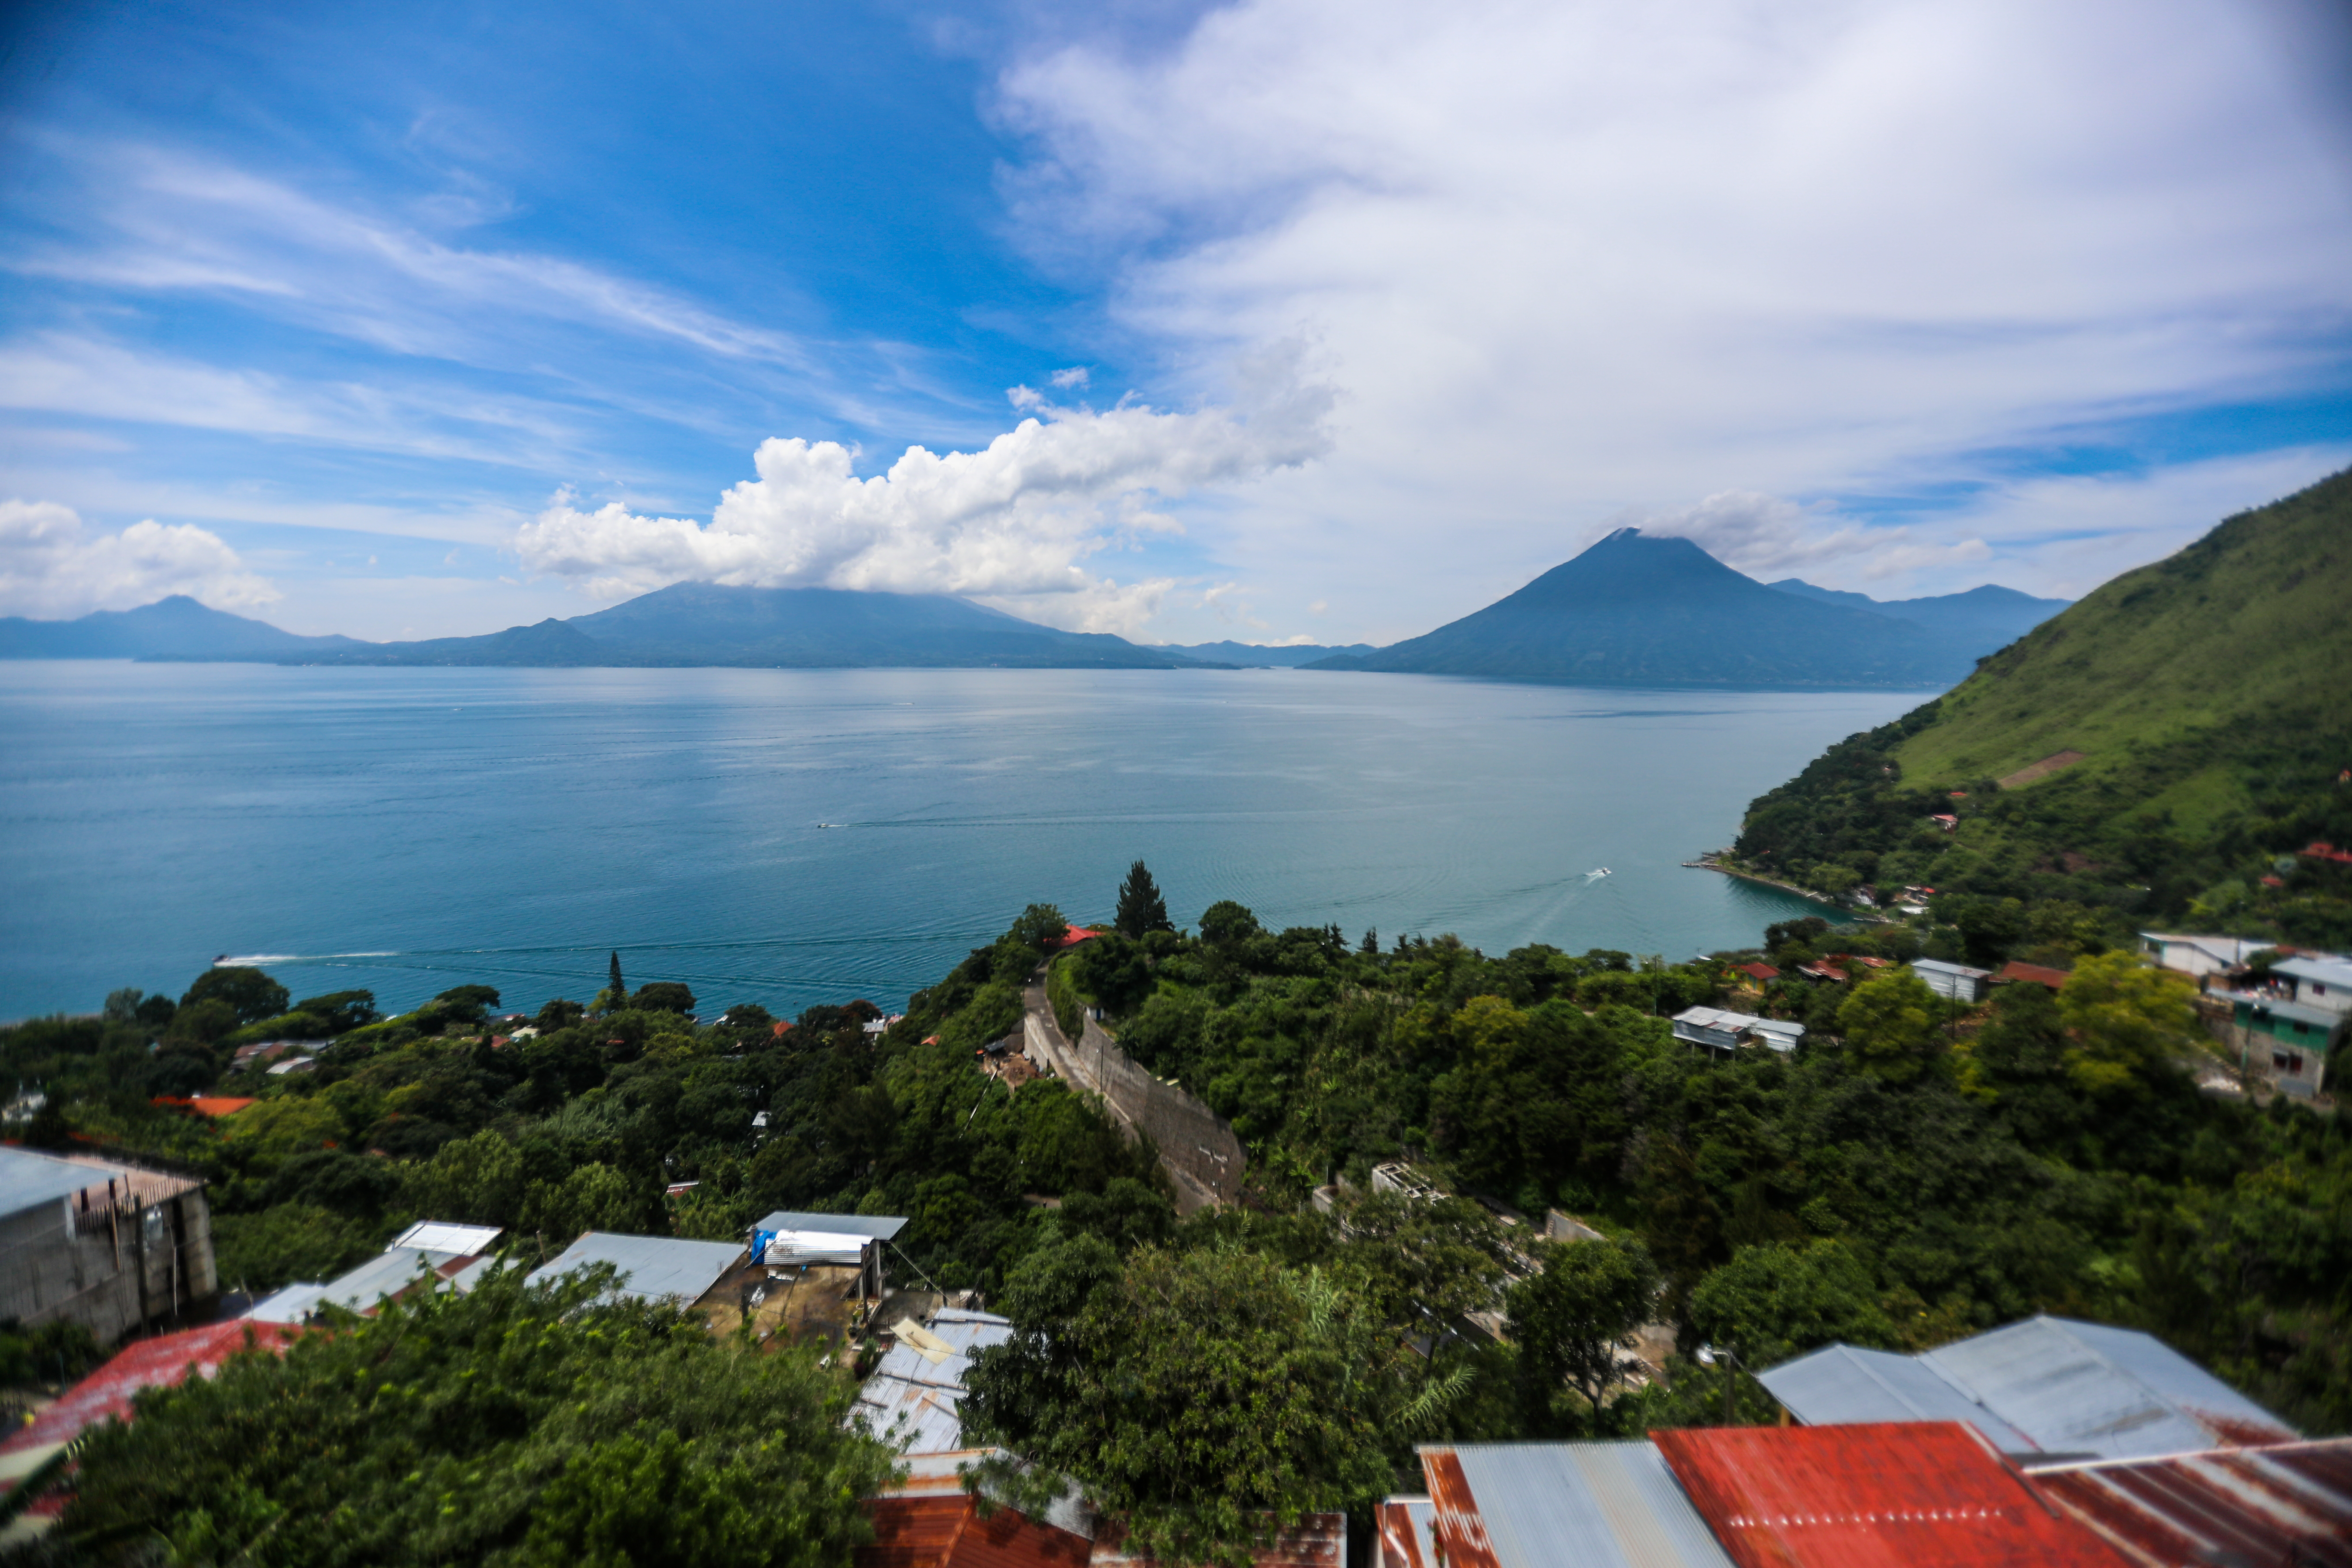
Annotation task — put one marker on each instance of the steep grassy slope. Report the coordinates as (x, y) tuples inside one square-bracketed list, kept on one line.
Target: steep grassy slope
[(2246, 631), (2208, 696)]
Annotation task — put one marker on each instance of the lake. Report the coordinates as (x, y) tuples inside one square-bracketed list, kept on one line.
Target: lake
[(795, 837)]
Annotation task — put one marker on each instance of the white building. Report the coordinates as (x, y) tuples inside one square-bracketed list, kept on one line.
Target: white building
[(2199, 956), (2321, 981), (1957, 981), (1725, 1031)]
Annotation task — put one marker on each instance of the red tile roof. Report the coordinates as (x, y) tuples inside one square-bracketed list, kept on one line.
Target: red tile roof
[(1076, 934), (2040, 975), (1920, 1494), (215, 1106), (159, 1362)]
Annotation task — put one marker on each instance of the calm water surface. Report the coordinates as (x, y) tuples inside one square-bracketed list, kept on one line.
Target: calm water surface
[(795, 837)]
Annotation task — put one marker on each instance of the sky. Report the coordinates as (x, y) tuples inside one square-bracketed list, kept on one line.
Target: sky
[(1282, 321)]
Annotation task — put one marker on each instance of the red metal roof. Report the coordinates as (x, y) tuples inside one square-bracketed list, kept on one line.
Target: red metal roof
[(2038, 974), (1919, 1494), (941, 1531), (1316, 1540), (159, 1362), (2287, 1503), (1076, 934), (1759, 971)]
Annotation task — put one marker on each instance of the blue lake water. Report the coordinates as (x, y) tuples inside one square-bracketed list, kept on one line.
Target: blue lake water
[(792, 836)]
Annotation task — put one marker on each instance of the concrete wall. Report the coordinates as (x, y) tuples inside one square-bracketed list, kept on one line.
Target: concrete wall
[(111, 1270), (1196, 1146)]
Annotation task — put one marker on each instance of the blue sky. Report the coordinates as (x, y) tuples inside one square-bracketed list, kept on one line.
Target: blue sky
[(1333, 322)]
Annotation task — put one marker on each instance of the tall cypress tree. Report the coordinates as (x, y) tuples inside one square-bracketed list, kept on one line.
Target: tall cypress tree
[(620, 992), (1140, 907)]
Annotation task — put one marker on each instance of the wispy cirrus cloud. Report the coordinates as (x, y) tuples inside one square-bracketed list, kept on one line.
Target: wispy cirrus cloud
[(1569, 259)]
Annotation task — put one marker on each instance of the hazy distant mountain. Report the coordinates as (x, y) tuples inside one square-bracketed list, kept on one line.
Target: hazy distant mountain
[(801, 629), (1278, 656), (1991, 615), (1633, 610), (176, 627)]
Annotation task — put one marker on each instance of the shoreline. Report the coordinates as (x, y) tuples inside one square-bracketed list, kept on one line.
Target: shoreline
[(1708, 862)]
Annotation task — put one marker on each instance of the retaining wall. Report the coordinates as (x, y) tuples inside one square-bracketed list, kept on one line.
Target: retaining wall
[(1196, 1146)]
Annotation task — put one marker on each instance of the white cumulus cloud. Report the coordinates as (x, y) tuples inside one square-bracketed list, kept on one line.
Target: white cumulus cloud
[(53, 567), (1013, 524), (1770, 537)]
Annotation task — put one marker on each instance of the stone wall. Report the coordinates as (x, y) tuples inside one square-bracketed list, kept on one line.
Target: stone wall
[(1196, 1146)]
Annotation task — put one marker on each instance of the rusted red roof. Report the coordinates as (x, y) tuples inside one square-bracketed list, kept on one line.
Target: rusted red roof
[(159, 1362), (947, 1531), (2290, 1502), (2039, 973), (1917, 1494), (1400, 1544), (1759, 971), (1458, 1527)]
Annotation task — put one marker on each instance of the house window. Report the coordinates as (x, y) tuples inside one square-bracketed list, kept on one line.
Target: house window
[(2288, 1062)]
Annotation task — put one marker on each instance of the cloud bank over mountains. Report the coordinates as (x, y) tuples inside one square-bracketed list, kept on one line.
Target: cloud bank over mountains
[(53, 567), (1013, 524)]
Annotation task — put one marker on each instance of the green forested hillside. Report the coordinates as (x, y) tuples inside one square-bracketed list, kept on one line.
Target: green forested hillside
[(1904, 1179), (2205, 695)]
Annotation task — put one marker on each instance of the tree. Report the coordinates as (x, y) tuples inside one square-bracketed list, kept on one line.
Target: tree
[(466, 1004), (122, 1006), (511, 1425), (1204, 1396), (1568, 1319), (340, 1012), (2125, 1019), (663, 997), (1041, 926), (1226, 924), (1890, 1027), (1773, 1303), (616, 994), (1142, 910), (250, 994)]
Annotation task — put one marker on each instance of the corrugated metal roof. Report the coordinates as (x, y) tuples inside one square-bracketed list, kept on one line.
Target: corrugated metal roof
[(1562, 1505), (1915, 1495), (911, 1401), (1845, 1383), (290, 1305), (440, 1235), (915, 1532), (2051, 1385), (652, 1268), (2288, 1504), (27, 1178), (159, 1362), (2085, 1388), (881, 1227), (1401, 1533), (388, 1273)]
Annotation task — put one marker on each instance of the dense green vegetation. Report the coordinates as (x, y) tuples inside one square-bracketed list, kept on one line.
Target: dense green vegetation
[(1906, 1177), (504, 1426), (2205, 693)]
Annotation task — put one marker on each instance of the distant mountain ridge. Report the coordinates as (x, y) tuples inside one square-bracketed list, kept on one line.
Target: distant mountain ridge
[(687, 624), (2001, 614), (174, 628), (1638, 610)]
